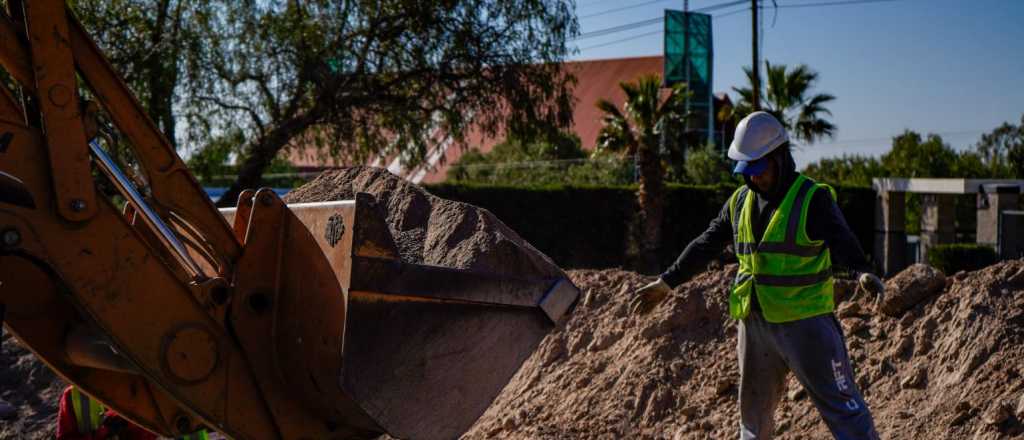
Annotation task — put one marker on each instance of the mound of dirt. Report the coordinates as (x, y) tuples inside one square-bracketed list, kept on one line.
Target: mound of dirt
[(609, 374), (32, 388), (911, 286), (431, 230), (950, 367)]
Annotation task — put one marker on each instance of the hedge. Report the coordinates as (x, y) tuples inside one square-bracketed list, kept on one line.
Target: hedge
[(585, 227), (952, 258)]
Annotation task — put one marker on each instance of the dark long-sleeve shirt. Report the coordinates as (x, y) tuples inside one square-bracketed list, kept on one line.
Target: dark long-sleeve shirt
[(824, 222)]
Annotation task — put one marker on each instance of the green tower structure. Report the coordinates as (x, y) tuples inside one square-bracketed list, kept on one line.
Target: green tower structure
[(688, 59)]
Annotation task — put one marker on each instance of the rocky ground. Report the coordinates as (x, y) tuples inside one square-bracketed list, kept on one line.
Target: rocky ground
[(32, 388)]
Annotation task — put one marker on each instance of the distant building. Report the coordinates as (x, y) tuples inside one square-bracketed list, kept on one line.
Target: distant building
[(596, 79)]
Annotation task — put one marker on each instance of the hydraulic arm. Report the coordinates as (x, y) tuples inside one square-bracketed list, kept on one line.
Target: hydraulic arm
[(265, 321)]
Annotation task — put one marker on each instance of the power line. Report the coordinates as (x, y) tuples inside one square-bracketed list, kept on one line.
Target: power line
[(646, 34), (619, 28), (727, 14), (622, 8), (651, 2), (643, 23), (621, 40), (648, 22), (590, 4), (832, 3)]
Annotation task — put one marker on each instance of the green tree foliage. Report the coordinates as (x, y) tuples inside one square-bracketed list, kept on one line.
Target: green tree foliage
[(351, 79), (911, 156), (150, 44), (707, 166), (394, 77), (602, 169), (636, 131), (914, 156), (789, 98), (1002, 150), (846, 170), (556, 159)]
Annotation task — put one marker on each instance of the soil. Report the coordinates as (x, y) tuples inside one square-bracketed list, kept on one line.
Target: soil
[(431, 230), (949, 367), (32, 388)]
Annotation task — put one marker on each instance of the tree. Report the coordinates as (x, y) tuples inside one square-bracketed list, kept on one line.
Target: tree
[(516, 161), (846, 170), (912, 156), (789, 98), (708, 166), (148, 43), (393, 77), (1002, 150), (635, 131)]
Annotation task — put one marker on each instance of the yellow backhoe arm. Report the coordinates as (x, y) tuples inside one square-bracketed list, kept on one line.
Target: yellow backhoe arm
[(265, 321)]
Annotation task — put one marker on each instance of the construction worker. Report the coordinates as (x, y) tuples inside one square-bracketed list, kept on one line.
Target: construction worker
[(83, 418), (787, 231)]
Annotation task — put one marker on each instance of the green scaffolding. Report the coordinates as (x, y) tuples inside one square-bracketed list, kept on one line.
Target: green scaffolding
[(688, 59)]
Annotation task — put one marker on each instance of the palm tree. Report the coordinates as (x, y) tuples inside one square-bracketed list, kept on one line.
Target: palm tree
[(635, 131), (788, 97)]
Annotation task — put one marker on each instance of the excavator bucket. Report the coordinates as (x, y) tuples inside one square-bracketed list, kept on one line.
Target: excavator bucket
[(424, 349)]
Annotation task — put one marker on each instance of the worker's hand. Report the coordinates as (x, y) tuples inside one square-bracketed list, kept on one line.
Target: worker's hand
[(872, 285), (649, 296)]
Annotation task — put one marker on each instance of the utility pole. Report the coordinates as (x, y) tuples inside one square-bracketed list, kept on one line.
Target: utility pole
[(755, 66)]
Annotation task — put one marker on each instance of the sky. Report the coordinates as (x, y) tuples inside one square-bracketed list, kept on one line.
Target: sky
[(949, 67)]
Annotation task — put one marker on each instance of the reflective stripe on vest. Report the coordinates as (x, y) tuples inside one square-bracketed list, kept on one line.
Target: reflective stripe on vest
[(88, 411), (198, 435), (790, 274)]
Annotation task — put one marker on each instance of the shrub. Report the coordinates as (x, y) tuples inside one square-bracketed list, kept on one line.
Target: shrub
[(952, 258), (585, 226)]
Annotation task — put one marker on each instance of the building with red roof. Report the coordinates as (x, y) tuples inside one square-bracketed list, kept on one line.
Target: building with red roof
[(596, 79)]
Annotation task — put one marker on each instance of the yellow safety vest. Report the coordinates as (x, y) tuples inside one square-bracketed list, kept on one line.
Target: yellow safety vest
[(198, 435), (88, 411), (790, 273)]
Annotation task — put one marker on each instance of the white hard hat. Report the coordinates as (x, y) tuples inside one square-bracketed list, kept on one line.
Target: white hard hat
[(757, 135)]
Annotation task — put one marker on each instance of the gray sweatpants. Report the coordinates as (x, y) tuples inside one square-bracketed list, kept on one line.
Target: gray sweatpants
[(815, 351)]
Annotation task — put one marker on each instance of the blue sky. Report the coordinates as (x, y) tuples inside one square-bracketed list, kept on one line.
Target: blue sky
[(951, 67)]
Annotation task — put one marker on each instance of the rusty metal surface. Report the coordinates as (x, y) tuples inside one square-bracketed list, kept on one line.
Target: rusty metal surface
[(428, 348), (57, 98), (394, 277), (428, 370), (118, 286), (288, 315), (44, 318), (172, 185), (13, 56), (9, 110), (13, 191)]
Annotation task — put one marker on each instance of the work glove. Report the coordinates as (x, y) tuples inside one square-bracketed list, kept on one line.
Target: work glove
[(649, 296), (872, 285)]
